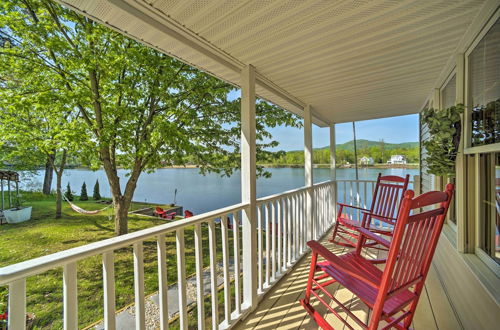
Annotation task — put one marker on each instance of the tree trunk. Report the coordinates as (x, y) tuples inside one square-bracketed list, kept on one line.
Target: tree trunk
[(49, 173), (58, 194), (122, 205), (59, 172), (122, 202)]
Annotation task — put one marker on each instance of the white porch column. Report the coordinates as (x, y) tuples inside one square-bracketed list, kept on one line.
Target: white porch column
[(308, 171), (333, 171), (248, 187)]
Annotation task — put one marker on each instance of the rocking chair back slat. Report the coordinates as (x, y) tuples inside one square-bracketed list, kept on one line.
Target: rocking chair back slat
[(388, 195)]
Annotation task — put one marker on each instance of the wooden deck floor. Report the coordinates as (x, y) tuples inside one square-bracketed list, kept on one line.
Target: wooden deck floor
[(280, 308)]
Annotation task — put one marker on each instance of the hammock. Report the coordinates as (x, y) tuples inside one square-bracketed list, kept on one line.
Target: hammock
[(82, 211)]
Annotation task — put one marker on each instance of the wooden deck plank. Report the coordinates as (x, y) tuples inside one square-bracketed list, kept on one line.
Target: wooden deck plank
[(281, 309), (443, 311), (274, 307), (424, 316)]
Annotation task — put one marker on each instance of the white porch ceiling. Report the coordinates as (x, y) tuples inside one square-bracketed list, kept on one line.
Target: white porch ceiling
[(349, 59)]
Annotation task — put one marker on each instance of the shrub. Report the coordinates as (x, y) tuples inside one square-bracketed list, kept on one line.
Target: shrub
[(97, 195), (83, 193), (68, 194)]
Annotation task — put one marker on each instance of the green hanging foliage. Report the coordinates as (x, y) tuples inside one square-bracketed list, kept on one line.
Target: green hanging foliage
[(96, 195), (68, 194), (442, 146), (83, 193)]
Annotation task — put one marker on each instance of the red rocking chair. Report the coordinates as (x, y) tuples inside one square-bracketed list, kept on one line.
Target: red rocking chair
[(389, 191), (392, 294)]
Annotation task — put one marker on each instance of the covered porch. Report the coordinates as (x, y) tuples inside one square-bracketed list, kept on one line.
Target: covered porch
[(281, 308), (329, 62)]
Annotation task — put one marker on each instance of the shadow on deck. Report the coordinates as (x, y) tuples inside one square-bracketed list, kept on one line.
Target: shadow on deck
[(280, 308)]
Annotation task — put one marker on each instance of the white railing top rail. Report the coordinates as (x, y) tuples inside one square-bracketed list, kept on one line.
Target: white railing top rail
[(290, 192), (41, 264), (354, 180)]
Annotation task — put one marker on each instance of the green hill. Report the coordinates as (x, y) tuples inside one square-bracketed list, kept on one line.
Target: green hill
[(378, 150), (363, 144)]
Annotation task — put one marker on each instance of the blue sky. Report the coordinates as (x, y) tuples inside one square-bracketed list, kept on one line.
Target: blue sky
[(392, 130)]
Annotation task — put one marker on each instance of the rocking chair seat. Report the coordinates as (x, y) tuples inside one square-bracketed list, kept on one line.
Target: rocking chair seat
[(365, 292)]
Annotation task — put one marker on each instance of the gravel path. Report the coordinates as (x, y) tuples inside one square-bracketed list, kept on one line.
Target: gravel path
[(125, 320)]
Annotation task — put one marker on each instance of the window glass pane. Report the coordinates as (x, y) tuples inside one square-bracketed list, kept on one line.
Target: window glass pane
[(449, 93), (490, 206), (484, 63)]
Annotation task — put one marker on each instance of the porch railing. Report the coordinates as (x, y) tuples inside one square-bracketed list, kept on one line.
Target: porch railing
[(282, 228)]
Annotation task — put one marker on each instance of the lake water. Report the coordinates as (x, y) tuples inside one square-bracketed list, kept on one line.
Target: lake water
[(200, 193)]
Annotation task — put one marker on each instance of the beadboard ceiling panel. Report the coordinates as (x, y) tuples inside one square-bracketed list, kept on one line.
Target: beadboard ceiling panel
[(349, 59)]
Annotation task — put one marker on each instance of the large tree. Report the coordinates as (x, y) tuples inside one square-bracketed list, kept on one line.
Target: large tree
[(141, 109)]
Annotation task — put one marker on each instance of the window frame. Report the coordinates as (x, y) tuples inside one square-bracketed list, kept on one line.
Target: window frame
[(468, 149), (474, 220)]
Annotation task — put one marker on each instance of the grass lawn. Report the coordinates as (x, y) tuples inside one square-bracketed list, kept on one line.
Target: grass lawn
[(45, 235)]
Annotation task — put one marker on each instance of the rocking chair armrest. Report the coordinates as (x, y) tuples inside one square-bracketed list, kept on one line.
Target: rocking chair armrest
[(379, 217), (352, 206), (338, 263), (372, 236)]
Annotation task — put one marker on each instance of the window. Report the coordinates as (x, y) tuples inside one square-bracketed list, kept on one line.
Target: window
[(484, 105), (484, 69), (489, 204)]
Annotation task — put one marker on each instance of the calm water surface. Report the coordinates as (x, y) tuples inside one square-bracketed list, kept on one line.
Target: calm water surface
[(200, 193)]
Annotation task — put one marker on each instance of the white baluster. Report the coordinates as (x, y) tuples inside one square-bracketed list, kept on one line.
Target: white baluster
[(70, 296), (280, 231), (289, 231), (273, 240), (17, 304), (108, 276), (140, 318), (181, 277), (162, 281), (259, 248), (225, 260), (237, 261), (268, 243), (213, 273), (200, 286)]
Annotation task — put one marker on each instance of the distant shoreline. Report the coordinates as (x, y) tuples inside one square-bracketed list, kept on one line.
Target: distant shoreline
[(190, 166)]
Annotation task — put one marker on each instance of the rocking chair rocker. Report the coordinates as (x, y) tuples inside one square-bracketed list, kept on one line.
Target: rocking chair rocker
[(392, 293), (389, 190)]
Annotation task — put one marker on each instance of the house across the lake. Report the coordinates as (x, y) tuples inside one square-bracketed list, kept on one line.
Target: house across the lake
[(397, 160), (366, 161)]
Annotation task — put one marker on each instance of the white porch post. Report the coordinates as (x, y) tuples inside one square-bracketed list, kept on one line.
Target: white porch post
[(333, 171), (308, 171), (248, 187)]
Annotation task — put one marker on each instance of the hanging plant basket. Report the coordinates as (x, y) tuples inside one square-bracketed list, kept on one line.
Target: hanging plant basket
[(445, 130)]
